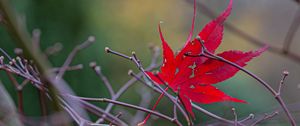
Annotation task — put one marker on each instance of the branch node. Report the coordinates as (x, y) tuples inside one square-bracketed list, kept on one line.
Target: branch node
[(251, 116), (277, 95), (93, 64), (1, 59), (97, 68), (92, 38), (130, 72), (285, 73), (107, 50), (18, 51)]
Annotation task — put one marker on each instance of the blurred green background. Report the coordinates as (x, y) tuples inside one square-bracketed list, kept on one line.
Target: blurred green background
[(130, 25)]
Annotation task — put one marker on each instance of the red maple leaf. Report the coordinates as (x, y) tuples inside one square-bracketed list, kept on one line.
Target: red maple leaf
[(192, 77)]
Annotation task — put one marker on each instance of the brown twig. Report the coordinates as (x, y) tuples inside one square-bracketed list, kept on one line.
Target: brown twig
[(36, 35), (235, 116), (175, 110), (70, 68), (57, 47), (71, 56), (285, 74), (104, 79), (19, 92), (251, 116), (267, 116), (97, 111), (155, 54), (117, 116), (129, 106), (146, 97), (215, 116), (23, 84), (43, 104), (75, 116), (131, 73)]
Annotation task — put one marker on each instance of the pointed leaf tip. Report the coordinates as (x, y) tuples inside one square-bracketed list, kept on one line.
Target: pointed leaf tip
[(168, 67), (226, 13), (263, 49), (212, 33)]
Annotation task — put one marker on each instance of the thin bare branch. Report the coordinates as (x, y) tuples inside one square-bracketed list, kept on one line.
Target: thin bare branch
[(146, 97), (175, 110), (23, 84), (43, 104), (131, 73), (75, 116), (215, 116), (235, 116), (98, 111), (108, 50), (19, 92), (70, 68), (71, 56), (104, 79), (54, 49), (117, 116), (285, 74), (266, 117), (11, 60), (129, 106), (155, 54), (251, 116), (36, 35)]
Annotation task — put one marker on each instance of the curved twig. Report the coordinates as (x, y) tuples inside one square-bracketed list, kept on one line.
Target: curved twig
[(277, 95), (131, 106), (153, 64)]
